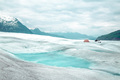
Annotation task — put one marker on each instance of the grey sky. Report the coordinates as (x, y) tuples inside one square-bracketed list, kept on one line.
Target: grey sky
[(92, 17)]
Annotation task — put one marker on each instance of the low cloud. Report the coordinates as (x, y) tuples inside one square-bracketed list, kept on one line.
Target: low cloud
[(83, 16)]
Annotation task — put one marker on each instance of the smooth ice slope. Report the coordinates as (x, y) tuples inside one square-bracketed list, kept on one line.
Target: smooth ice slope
[(105, 56)]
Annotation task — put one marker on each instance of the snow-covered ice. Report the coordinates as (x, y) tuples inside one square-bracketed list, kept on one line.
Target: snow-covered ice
[(105, 58)]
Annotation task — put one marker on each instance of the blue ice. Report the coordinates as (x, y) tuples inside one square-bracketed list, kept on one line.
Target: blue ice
[(54, 59)]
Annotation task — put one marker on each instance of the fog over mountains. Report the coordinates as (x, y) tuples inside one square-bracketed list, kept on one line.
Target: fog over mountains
[(75, 35), (10, 24), (37, 31)]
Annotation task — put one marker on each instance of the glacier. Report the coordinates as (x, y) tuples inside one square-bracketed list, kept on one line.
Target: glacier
[(104, 56), (54, 59)]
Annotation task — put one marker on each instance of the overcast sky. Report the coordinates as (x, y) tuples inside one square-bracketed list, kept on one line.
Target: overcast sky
[(92, 17)]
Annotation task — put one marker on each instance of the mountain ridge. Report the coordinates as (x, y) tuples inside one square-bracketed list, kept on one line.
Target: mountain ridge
[(39, 32), (115, 35), (75, 35), (10, 24)]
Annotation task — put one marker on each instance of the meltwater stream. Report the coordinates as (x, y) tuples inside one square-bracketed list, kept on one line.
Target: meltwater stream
[(54, 59)]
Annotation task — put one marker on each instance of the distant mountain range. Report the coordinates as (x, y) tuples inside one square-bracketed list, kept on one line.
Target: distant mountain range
[(10, 24), (37, 31), (111, 36), (75, 35)]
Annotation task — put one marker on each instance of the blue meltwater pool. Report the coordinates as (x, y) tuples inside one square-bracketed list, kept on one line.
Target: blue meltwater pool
[(54, 59)]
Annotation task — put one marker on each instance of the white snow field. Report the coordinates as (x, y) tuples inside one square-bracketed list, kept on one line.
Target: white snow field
[(103, 58)]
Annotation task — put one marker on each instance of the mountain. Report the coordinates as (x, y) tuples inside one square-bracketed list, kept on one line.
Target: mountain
[(111, 36), (74, 35), (10, 24), (37, 31)]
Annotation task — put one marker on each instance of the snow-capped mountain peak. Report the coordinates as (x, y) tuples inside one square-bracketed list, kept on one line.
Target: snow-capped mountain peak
[(6, 17), (11, 24)]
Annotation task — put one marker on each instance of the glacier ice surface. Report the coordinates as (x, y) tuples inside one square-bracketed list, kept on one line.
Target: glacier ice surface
[(105, 56)]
